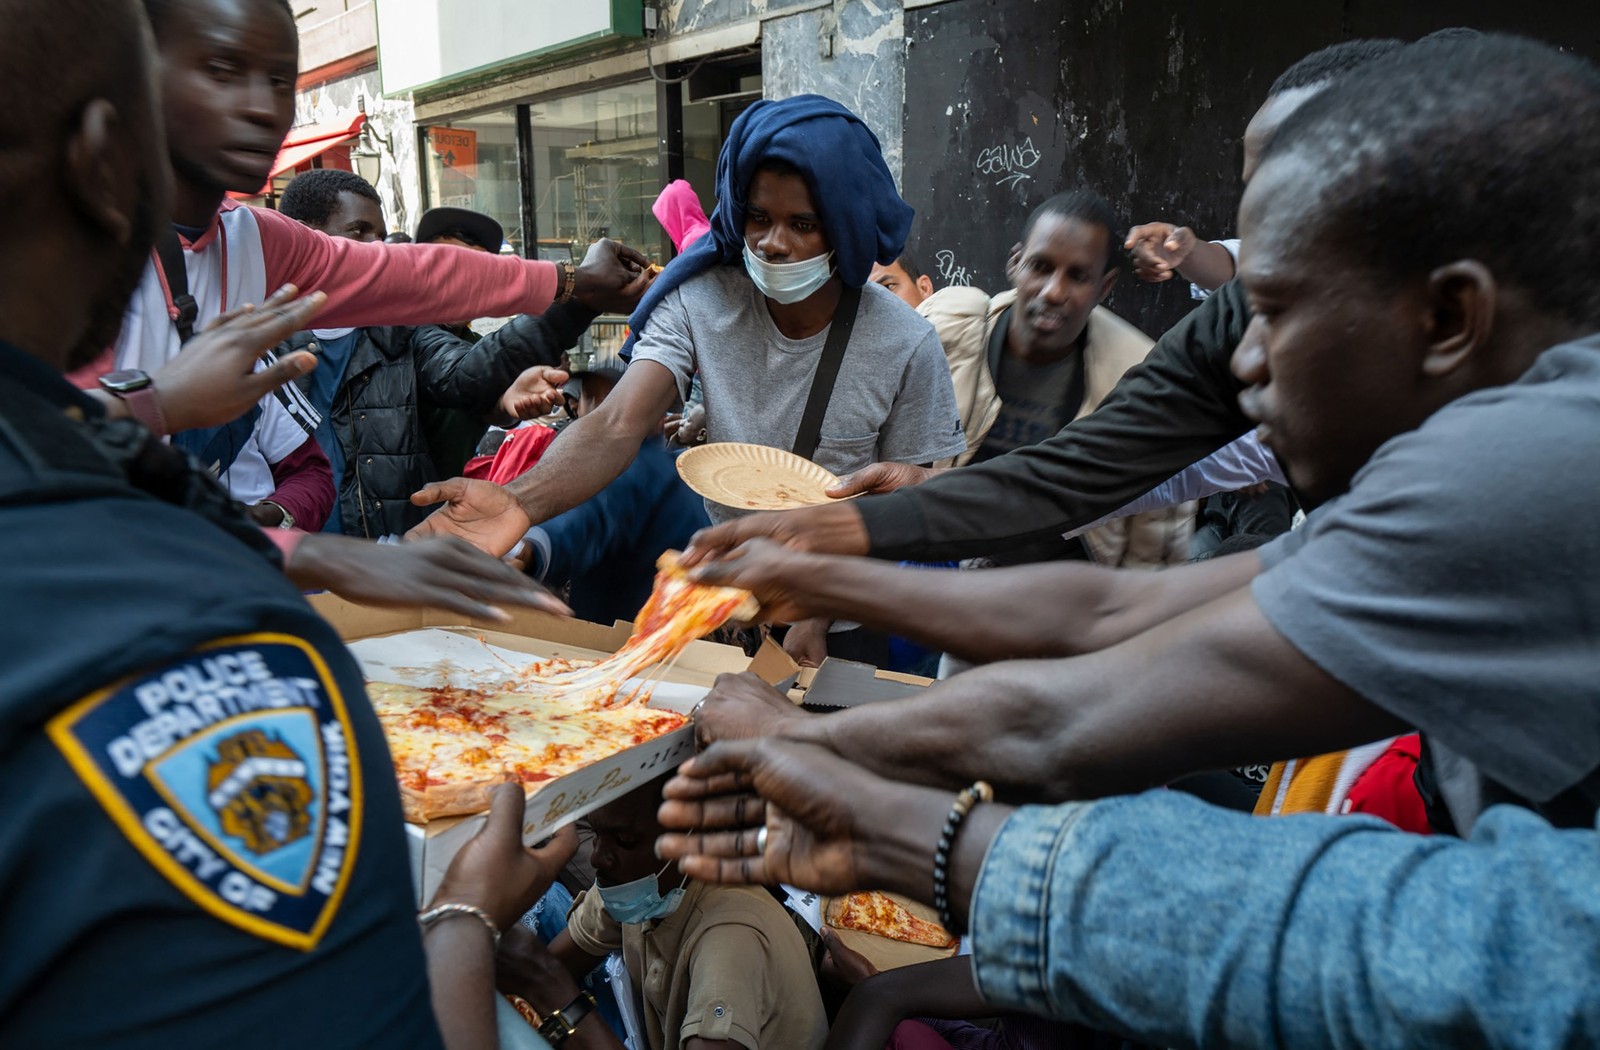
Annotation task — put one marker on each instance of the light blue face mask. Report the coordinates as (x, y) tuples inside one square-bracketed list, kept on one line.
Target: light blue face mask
[(788, 282), (640, 900)]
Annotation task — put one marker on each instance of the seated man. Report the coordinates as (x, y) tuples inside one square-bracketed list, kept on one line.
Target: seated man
[(1407, 600), (716, 967), (606, 547), (373, 385)]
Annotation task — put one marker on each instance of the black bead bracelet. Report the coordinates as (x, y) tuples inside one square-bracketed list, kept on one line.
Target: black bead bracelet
[(968, 797)]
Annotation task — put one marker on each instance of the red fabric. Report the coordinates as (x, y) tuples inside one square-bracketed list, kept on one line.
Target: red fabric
[(914, 1035), (398, 284), (1388, 788), (286, 540), (88, 376), (305, 485), (516, 456)]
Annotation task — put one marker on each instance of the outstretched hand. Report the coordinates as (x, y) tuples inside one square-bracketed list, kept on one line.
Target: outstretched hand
[(612, 277), (835, 528), (880, 477), (740, 707), (1158, 249), (535, 392), (441, 573), (735, 789), (214, 378), (775, 574), (484, 514), (496, 872)]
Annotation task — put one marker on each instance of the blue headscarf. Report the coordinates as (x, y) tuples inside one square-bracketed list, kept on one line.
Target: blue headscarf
[(862, 213)]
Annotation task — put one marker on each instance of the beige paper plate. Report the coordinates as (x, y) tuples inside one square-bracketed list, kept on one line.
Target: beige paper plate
[(887, 954), (754, 477)]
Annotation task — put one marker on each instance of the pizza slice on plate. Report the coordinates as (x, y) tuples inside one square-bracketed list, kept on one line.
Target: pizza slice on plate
[(879, 913)]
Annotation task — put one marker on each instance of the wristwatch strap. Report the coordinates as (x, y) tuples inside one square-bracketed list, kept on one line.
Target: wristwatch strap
[(144, 406), (564, 1022), (569, 281)]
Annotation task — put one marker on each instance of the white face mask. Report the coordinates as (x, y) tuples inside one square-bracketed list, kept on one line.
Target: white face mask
[(788, 282)]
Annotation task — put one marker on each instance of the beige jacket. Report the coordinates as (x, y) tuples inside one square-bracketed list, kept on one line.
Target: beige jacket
[(965, 319)]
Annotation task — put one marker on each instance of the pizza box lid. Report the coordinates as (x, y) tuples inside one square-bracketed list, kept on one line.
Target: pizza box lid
[(561, 801)]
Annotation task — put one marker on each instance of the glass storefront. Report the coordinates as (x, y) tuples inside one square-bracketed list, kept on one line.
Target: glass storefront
[(596, 170), (472, 163)]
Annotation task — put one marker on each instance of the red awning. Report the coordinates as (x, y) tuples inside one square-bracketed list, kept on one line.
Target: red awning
[(308, 140), (305, 142)]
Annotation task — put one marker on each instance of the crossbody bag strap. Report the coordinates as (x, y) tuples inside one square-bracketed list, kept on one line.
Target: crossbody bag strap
[(844, 319), (185, 311)]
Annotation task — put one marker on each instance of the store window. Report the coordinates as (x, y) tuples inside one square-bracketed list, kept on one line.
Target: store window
[(596, 170), (472, 163)]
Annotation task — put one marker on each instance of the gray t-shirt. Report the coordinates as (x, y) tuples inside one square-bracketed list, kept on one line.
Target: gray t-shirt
[(893, 399), (1457, 585)]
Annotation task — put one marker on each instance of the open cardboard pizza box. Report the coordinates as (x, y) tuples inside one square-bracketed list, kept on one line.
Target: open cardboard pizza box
[(446, 640)]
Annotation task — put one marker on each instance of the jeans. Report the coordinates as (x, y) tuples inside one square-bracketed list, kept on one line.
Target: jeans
[(1175, 923)]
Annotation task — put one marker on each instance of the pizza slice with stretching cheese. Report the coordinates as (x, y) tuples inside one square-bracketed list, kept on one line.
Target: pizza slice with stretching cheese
[(881, 914)]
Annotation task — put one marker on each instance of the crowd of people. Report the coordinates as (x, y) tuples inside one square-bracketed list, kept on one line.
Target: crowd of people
[(1267, 647)]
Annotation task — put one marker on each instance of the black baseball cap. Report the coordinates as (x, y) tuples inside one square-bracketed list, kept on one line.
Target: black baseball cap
[(474, 227)]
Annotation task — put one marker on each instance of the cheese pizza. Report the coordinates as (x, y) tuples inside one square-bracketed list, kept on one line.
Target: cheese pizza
[(452, 745), (881, 914)]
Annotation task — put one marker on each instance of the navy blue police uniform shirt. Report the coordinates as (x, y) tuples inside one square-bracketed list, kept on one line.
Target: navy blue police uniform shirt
[(202, 843)]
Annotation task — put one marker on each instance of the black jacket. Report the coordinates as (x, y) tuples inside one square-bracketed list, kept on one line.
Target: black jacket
[(391, 371), (1173, 410)]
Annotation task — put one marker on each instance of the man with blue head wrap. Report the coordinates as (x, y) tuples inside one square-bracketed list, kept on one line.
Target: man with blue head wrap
[(805, 207)]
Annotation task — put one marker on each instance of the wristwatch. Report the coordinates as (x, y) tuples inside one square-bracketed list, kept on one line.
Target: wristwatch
[(561, 1024), (288, 519), (136, 389)]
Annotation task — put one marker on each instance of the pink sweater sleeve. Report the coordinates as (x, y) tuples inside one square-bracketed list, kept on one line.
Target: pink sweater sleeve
[(393, 284)]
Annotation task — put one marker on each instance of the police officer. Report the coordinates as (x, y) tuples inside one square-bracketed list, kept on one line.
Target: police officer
[(202, 842)]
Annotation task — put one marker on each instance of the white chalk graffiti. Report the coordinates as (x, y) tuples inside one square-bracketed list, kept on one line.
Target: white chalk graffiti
[(1010, 163), (949, 271)]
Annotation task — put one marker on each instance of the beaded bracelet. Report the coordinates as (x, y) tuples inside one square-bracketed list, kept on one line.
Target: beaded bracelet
[(969, 797)]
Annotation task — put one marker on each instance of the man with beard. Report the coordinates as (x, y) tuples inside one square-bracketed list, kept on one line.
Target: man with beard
[(152, 680)]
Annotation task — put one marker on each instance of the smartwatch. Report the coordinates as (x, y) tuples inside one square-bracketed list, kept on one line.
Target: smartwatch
[(136, 389), (564, 1022)]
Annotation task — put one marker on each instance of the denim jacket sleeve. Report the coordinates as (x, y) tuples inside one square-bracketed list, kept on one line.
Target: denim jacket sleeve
[(1179, 924)]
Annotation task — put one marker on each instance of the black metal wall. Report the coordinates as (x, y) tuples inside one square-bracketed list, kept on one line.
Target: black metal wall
[(1144, 101)]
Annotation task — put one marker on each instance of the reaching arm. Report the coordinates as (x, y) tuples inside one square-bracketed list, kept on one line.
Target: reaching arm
[(1214, 687), (1308, 931), (585, 459), (974, 615), (593, 451), (455, 373), (944, 988), (1175, 408), (399, 284)]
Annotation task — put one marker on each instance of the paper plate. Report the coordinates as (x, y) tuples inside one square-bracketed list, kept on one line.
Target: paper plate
[(754, 477)]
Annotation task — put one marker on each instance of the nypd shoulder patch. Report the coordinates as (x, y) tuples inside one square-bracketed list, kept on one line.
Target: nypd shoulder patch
[(233, 770)]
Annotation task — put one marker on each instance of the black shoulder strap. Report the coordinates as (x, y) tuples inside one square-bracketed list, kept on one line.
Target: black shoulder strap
[(170, 251), (844, 319)]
